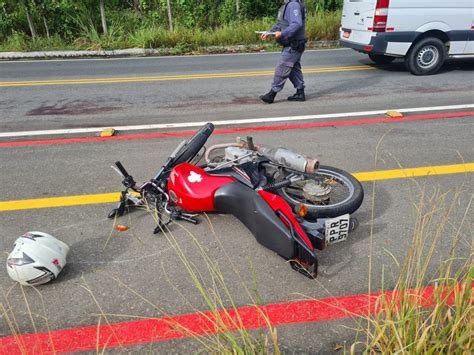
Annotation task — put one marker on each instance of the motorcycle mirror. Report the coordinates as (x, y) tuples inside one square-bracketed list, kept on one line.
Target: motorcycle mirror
[(250, 143)]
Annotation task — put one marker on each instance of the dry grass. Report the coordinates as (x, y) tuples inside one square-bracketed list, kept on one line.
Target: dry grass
[(440, 320), (231, 336)]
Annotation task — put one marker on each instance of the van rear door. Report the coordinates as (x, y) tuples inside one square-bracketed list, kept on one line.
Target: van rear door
[(357, 17)]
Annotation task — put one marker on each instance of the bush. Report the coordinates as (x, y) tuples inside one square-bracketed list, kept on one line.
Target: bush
[(197, 23)]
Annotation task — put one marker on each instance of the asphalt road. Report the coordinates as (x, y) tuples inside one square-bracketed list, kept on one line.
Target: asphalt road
[(137, 274), (361, 88)]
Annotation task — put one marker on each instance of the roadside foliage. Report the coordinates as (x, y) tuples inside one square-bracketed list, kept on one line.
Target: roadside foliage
[(43, 24)]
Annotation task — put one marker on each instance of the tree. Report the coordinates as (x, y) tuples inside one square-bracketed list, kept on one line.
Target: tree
[(42, 6), (138, 8), (71, 19), (31, 25), (170, 18), (102, 16)]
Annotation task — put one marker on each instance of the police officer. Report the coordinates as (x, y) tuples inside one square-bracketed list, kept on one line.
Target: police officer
[(290, 33)]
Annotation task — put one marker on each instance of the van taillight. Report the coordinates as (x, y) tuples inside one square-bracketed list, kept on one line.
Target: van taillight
[(381, 16)]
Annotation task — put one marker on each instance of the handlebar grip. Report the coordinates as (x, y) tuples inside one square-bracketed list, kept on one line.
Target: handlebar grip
[(122, 169), (193, 145), (207, 129)]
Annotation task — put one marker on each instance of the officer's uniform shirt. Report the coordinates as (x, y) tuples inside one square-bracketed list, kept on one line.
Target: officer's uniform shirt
[(293, 15)]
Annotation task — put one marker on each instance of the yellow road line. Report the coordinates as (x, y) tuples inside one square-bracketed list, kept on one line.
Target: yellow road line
[(59, 202), (114, 197), (414, 172), (140, 79)]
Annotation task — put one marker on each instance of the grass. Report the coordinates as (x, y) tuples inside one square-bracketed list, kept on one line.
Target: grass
[(231, 337), (22, 43), (320, 26), (406, 325), (439, 321)]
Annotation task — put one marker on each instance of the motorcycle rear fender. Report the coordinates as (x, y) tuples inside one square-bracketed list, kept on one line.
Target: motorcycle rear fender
[(252, 210)]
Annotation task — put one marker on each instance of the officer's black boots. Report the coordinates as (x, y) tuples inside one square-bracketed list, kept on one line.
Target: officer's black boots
[(298, 96), (269, 97)]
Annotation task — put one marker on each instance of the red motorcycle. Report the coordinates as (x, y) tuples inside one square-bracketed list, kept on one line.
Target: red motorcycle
[(290, 203)]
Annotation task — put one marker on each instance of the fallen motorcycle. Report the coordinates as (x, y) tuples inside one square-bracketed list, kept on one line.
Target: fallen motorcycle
[(290, 203)]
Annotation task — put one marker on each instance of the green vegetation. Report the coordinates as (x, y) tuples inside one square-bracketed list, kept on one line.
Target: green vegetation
[(440, 320), (183, 24)]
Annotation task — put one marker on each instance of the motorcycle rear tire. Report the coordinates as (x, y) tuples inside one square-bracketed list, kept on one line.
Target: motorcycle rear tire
[(351, 202)]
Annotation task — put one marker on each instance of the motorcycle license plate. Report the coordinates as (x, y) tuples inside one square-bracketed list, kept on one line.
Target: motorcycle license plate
[(337, 229)]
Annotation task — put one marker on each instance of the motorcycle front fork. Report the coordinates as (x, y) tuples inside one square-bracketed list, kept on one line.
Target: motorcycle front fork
[(128, 201)]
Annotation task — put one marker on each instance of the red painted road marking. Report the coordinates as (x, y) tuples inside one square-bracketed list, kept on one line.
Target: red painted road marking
[(201, 324), (241, 129)]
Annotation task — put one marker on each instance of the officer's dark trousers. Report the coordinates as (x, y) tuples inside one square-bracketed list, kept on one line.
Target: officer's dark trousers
[(289, 67)]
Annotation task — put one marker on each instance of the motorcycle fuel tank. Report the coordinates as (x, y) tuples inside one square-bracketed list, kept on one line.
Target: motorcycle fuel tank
[(192, 188)]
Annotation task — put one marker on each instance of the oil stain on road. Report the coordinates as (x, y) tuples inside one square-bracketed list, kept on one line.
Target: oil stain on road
[(71, 109)]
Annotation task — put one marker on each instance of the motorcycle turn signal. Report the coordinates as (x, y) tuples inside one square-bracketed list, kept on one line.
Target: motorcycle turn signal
[(302, 210)]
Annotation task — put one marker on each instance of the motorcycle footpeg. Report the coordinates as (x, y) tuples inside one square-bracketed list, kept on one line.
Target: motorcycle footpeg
[(190, 219), (179, 216), (310, 271)]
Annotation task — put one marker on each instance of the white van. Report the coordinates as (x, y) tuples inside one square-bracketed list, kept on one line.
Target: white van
[(424, 32)]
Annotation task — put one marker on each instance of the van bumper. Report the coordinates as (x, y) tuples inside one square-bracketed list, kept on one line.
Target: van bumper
[(379, 43)]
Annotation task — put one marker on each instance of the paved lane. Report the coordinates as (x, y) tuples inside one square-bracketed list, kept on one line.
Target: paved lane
[(99, 68), (134, 275), (179, 77), (114, 197), (151, 102), (149, 265)]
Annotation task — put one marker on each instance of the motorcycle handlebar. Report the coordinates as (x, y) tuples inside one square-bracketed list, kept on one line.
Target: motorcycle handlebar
[(207, 129), (193, 145)]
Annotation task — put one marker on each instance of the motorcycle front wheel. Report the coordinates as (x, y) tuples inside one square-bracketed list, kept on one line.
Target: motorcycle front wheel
[(330, 192)]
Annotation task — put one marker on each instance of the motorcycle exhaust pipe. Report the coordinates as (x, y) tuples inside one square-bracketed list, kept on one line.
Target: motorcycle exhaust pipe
[(290, 159)]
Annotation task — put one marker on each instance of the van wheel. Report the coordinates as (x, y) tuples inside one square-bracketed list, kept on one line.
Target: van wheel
[(426, 57), (381, 59)]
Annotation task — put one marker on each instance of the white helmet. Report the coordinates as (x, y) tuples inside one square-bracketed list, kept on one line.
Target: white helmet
[(36, 259)]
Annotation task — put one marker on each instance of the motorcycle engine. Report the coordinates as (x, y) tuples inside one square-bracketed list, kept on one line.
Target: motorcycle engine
[(237, 154)]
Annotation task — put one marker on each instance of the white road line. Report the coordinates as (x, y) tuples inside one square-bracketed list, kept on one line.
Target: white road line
[(156, 57), (230, 122)]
